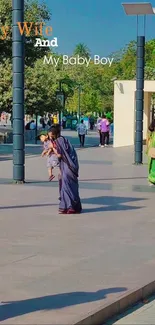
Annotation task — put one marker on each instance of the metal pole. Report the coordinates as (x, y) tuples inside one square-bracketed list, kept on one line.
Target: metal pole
[(144, 25), (36, 129), (137, 25), (60, 111), (139, 100), (79, 103), (153, 110), (18, 93)]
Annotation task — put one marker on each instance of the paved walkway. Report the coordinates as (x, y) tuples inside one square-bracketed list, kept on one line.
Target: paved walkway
[(55, 269), (141, 314)]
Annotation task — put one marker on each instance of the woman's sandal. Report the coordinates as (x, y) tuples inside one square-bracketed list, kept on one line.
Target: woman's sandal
[(62, 211), (51, 178)]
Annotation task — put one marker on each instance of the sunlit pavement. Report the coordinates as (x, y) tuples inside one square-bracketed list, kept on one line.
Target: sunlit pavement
[(55, 269)]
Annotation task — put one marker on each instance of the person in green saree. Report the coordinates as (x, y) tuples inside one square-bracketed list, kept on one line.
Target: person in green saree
[(151, 153)]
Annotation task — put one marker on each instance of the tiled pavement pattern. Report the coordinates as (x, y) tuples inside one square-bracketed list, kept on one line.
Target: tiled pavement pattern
[(55, 269)]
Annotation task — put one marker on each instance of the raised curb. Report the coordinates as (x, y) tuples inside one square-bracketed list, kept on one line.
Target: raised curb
[(100, 316)]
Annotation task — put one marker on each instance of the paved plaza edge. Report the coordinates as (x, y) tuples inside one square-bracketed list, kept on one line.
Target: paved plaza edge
[(107, 311)]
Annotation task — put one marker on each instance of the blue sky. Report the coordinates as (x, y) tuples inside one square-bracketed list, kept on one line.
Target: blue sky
[(101, 24)]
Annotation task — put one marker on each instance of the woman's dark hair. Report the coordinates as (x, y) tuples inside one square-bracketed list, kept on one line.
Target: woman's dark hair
[(56, 130), (103, 115), (152, 126), (81, 121)]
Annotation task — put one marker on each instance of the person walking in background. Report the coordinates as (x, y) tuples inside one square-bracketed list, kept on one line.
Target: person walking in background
[(64, 120), (91, 122), (105, 129), (108, 130), (42, 123), (32, 125), (112, 129), (50, 120), (82, 130), (151, 153), (99, 130), (55, 119)]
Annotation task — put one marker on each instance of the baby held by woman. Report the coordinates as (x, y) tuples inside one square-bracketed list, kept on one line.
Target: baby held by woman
[(52, 160)]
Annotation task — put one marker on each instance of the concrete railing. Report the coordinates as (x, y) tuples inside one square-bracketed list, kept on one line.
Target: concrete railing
[(6, 136)]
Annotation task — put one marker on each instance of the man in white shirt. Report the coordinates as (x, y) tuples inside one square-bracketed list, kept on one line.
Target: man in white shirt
[(82, 130)]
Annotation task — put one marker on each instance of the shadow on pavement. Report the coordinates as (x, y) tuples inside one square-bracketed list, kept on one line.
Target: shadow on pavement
[(106, 203), (26, 206), (111, 203), (112, 179), (11, 309)]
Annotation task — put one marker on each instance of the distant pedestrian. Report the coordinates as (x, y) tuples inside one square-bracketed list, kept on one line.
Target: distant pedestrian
[(55, 119), (91, 122), (82, 130), (32, 125), (105, 130), (112, 129), (42, 122), (64, 120), (99, 130), (50, 121), (27, 126)]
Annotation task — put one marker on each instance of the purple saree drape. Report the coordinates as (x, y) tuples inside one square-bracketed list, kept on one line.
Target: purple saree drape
[(69, 166)]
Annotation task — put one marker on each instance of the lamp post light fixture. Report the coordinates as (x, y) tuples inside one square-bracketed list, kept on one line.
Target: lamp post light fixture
[(139, 9), (79, 102), (18, 93)]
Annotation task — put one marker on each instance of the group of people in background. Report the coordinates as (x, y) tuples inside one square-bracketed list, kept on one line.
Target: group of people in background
[(104, 128), (42, 122)]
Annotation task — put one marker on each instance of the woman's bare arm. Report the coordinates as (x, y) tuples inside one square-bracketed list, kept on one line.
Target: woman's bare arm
[(147, 140), (44, 153), (54, 150), (56, 153)]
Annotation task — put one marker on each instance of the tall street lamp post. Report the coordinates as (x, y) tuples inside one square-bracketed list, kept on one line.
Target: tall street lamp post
[(79, 102), (61, 97), (139, 9), (18, 93), (78, 86)]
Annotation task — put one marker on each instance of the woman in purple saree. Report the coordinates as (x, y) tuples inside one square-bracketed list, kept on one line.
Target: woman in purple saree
[(68, 184)]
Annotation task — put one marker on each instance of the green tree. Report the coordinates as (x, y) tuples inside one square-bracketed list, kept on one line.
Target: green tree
[(82, 50), (40, 93), (5, 86), (34, 12)]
